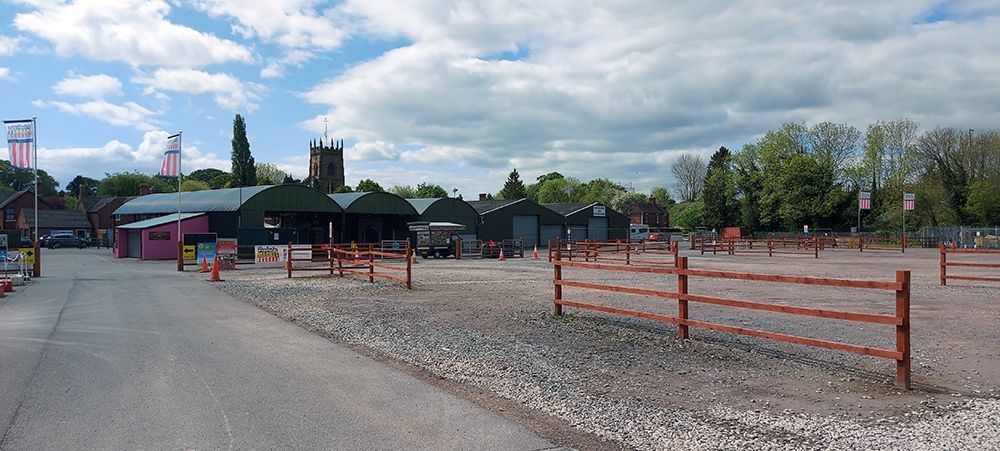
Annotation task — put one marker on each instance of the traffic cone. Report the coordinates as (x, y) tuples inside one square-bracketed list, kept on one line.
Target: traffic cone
[(501, 255), (413, 257), (534, 254), (215, 271), (204, 264)]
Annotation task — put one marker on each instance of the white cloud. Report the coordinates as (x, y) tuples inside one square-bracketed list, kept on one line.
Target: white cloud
[(116, 156), (8, 45), (135, 32), (90, 86), (371, 151), (128, 114), (299, 27), (228, 92), (5, 74), (505, 82)]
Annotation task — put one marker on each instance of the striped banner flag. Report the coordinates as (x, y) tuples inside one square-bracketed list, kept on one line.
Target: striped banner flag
[(171, 157), (864, 200), (909, 201), (20, 139)]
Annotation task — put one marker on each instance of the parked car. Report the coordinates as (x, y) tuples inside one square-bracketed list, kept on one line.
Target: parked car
[(26, 242), (56, 241), (656, 236)]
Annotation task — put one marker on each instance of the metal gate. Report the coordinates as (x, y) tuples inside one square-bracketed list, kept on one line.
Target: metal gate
[(526, 227), (597, 229), (134, 244)]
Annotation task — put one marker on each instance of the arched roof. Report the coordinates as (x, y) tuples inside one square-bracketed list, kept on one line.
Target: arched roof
[(274, 197), (374, 203)]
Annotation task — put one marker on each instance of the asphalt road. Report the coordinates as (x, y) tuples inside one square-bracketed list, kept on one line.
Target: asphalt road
[(118, 354)]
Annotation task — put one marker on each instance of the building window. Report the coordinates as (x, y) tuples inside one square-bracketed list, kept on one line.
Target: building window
[(11, 214)]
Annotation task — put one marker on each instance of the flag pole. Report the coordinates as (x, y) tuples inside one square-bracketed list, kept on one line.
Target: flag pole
[(34, 165), (180, 152)]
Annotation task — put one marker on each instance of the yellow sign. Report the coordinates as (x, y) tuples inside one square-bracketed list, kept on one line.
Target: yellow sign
[(27, 255), (188, 252)]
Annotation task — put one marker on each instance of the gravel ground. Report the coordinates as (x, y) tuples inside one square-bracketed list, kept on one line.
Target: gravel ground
[(489, 325)]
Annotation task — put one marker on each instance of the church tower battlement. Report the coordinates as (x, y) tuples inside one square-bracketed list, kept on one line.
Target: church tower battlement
[(326, 165)]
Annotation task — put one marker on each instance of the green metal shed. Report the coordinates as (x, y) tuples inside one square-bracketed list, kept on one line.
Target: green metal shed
[(593, 221), (521, 218), (448, 209), (253, 214), (372, 217)]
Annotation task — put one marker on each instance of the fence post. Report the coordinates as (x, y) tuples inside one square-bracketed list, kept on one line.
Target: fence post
[(682, 304), (409, 267), (944, 264), (628, 251), (180, 255), (329, 257), (371, 264), (816, 246), (549, 249), (556, 278), (702, 246), (36, 269), (674, 248), (903, 329), (458, 248), (340, 262), (288, 263), (904, 244), (770, 245), (861, 243)]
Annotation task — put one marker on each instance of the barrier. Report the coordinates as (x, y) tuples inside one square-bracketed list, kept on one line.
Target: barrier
[(771, 246), (944, 264), (470, 249), (618, 252), (512, 248), (354, 259), (863, 243), (901, 319)]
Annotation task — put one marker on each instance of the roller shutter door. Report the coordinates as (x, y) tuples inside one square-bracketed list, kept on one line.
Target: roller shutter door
[(597, 229), (550, 232), (526, 227), (134, 244)]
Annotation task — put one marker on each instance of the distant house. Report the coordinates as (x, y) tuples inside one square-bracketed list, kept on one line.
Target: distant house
[(13, 203), (99, 210), (49, 221), (649, 213)]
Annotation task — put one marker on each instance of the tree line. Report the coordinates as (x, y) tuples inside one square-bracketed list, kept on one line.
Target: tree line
[(812, 175)]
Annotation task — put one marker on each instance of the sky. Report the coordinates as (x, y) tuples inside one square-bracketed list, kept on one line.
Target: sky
[(458, 93)]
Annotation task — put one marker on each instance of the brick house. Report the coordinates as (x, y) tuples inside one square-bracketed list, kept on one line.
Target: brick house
[(66, 220), (11, 204), (99, 211), (649, 213)]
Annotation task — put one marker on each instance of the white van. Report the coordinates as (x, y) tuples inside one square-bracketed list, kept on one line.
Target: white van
[(638, 232)]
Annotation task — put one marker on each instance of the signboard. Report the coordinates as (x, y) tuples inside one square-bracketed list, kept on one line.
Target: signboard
[(3, 254), (3, 240), (600, 211), (205, 251), (159, 236), (226, 248), (269, 254), (805, 229), (27, 255), (188, 252), (299, 252)]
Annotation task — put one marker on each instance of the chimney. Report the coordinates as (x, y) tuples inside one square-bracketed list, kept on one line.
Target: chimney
[(652, 199), (84, 191), (482, 197), (144, 189), (459, 197)]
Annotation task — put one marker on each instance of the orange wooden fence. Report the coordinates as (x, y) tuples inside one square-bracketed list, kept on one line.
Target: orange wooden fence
[(617, 252), (901, 319), (944, 264), (362, 260), (769, 246)]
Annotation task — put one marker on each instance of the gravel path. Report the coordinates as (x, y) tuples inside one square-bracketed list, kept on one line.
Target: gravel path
[(489, 325)]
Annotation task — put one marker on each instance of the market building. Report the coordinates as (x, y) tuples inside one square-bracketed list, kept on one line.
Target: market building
[(520, 218), (448, 209), (373, 217), (593, 221)]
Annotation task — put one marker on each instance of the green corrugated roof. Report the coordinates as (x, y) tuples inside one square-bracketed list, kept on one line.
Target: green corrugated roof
[(227, 199), (421, 205), (158, 221), (374, 203)]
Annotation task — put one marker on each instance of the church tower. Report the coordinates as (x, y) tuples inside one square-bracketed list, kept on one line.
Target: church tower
[(326, 165)]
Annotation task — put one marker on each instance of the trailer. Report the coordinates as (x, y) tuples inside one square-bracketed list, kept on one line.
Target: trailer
[(435, 239)]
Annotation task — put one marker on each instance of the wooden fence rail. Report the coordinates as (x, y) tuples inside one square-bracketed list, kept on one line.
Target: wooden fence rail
[(769, 246), (944, 264), (617, 252), (901, 319), (362, 260)]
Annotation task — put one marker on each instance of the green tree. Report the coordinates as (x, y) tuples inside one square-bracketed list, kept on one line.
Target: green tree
[(662, 196), (983, 204), (558, 190), (369, 186), (342, 189), (194, 185), (426, 191), (625, 200), (73, 187), (719, 192), (205, 175), (514, 188), (599, 190), (404, 191), (269, 174), (687, 215), (23, 179), (223, 180), (244, 171), (127, 184)]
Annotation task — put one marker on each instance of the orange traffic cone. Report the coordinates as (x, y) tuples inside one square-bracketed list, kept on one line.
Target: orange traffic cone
[(215, 271), (413, 257), (534, 254), (501, 255), (204, 264)]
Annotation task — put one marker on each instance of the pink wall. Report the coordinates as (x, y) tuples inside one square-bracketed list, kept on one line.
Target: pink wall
[(160, 249)]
